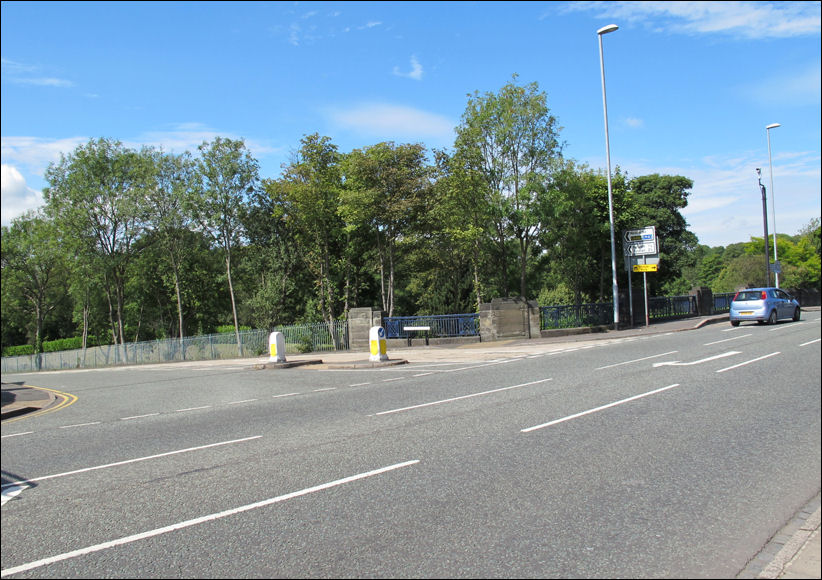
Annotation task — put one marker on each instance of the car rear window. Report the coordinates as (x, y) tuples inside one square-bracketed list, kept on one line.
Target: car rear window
[(750, 295)]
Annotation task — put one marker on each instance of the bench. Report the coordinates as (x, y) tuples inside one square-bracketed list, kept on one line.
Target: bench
[(414, 329)]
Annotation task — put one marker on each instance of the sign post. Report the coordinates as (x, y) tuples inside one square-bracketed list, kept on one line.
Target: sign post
[(635, 244)]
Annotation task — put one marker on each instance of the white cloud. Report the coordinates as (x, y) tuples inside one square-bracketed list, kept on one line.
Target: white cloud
[(798, 89), (391, 122), (17, 197), (741, 19), (34, 154), (725, 204), (416, 70), (24, 74)]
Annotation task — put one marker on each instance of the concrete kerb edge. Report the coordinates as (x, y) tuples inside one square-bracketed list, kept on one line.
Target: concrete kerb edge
[(793, 547), (319, 362)]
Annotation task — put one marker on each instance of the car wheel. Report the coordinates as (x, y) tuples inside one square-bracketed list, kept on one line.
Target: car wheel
[(772, 317), (796, 315), (734, 323)]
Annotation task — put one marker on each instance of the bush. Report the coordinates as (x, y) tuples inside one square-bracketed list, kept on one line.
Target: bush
[(22, 350), (305, 344), (227, 328)]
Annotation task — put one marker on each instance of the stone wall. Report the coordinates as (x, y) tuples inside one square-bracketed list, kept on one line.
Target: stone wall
[(506, 318), (360, 321)]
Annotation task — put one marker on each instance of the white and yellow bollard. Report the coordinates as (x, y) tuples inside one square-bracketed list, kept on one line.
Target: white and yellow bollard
[(276, 347), (376, 339)]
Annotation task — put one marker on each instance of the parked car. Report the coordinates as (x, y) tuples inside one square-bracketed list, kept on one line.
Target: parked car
[(763, 305)]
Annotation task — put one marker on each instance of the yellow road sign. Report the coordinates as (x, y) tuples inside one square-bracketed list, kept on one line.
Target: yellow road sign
[(646, 267)]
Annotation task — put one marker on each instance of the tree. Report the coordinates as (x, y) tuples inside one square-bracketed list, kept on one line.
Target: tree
[(659, 199), (97, 199), (273, 263), (462, 212), (385, 188), (307, 198), (511, 140), (574, 244), (33, 264), (173, 176), (226, 173)]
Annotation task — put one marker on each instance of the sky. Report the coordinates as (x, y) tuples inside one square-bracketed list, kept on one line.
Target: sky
[(691, 87)]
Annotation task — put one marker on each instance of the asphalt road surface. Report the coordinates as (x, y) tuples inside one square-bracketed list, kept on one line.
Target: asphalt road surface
[(669, 455)]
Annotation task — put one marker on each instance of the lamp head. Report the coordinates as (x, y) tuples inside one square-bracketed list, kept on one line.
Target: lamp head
[(758, 172), (773, 126), (607, 29)]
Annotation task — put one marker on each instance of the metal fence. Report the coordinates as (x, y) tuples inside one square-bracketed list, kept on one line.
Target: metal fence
[(722, 302), (321, 337), (576, 316), (672, 307), (442, 325), (298, 339)]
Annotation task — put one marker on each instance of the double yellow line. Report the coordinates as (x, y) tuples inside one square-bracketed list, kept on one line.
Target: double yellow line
[(63, 400)]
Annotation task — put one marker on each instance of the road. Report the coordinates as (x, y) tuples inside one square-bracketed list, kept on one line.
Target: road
[(671, 455)]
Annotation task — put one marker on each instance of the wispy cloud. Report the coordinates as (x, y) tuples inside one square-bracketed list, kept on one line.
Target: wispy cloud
[(750, 20), (725, 200), (800, 89), (393, 122), (43, 82), (25, 74), (415, 73)]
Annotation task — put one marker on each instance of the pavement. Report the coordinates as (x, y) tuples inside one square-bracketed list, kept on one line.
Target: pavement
[(792, 553)]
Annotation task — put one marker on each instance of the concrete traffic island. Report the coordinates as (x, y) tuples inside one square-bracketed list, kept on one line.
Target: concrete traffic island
[(286, 364), (377, 358)]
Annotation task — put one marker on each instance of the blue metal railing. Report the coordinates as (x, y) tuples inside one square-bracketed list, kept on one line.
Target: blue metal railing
[(722, 302), (574, 316), (672, 307), (441, 325)]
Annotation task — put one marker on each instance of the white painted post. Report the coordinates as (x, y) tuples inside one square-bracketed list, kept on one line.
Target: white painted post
[(276, 346), (376, 339)]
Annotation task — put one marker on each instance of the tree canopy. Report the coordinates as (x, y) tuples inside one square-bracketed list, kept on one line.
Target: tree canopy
[(141, 244)]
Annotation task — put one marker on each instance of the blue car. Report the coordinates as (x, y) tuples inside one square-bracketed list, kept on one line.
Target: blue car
[(763, 305)]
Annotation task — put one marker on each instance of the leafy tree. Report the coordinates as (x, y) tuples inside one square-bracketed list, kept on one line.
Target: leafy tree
[(385, 187), (745, 271), (659, 199), (96, 196), (32, 264), (574, 244), (307, 198), (511, 140), (813, 232), (226, 174), (273, 264), (462, 212), (172, 182)]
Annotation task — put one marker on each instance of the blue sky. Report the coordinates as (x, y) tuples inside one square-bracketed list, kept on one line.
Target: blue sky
[(691, 86)]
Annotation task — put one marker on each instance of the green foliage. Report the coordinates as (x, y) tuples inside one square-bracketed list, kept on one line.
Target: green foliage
[(229, 329), (141, 244), (509, 141), (305, 344), (558, 296), (20, 350)]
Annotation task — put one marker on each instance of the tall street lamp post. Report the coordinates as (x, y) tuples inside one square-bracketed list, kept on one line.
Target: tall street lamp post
[(765, 224), (600, 32), (773, 206)]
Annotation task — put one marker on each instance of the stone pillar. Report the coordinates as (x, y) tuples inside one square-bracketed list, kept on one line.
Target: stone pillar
[(360, 322), (509, 318), (704, 300)]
